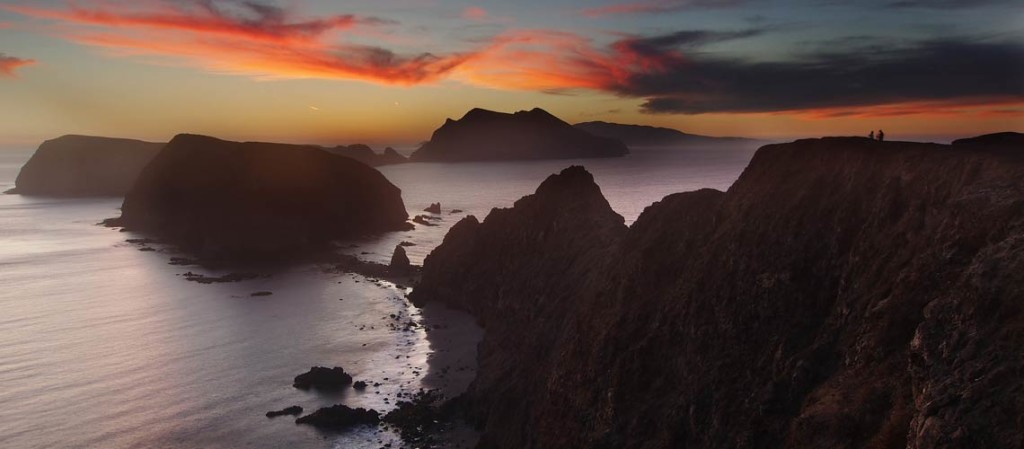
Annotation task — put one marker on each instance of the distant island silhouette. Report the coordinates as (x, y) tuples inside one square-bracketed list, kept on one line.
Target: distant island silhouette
[(483, 135), (650, 136), (225, 199), (75, 165), (365, 154)]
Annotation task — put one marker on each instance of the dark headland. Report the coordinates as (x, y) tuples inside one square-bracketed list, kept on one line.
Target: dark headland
[(483, 135), (651, 136), (84, 166), (230, 199), (843, 293)]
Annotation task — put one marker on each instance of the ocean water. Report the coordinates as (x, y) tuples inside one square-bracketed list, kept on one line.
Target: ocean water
[(106, 346)]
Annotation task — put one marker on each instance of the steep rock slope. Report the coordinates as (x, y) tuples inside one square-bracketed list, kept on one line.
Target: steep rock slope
[(249, 199), (844, 293), (84, 166)]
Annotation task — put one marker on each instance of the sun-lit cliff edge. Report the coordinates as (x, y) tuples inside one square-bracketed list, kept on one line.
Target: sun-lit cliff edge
[(843, 293)]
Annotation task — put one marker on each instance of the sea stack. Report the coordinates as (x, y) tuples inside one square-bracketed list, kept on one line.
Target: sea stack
[(230, 199), (843, 293), (399, 261), (483, 135), (84, 166)]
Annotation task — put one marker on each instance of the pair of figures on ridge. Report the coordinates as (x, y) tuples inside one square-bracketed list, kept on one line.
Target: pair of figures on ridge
[(881, 135)]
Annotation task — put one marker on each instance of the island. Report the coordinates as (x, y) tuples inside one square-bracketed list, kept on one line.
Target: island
[(483, 135), (365, 154), (71, 165), (637, 136), (252, 200), (843, 293)]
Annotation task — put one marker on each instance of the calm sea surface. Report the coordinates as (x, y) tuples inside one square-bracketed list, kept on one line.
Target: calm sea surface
[(106, 346)]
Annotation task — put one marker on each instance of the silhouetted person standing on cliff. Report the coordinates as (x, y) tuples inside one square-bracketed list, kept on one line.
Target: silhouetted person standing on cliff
[(871, 135), (881, 136)]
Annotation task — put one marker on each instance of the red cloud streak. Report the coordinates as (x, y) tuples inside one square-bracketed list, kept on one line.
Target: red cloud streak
[(264, 41), (8, 64), (259, 41)]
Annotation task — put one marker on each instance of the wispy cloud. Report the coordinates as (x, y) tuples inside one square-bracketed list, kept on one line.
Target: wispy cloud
[(475, 13), (673, 76), (672, 73), (655, 6), (243, 37), (8, 64)]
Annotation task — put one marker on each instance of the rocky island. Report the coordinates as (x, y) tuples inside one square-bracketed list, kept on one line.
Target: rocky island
[(483, 135), (652, 136), (366, 155), (843, 293), (84, 166), (230, 199)]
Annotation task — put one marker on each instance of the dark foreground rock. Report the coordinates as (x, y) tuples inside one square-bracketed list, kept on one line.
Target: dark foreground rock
[(293, 410), (419, 419), (483, 135), (257, 200), (323, 378), (340, 417), (844, 293), (84, 166)]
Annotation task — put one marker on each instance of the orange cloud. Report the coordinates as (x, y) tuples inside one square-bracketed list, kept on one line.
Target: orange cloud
[(474, 13), (980, 107), (549, 61), (253, 39), (8, 64)]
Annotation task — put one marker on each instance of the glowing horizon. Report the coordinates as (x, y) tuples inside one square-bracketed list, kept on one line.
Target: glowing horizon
[(392, 72)]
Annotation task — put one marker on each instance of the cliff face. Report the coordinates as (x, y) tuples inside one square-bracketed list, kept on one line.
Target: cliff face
[(224, 198), (84, 166), (844, 293), (483, 135)]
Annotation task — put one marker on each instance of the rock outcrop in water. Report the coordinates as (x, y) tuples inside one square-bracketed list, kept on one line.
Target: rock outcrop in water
[(483, 135), (844, 293), (229, 199), (323, 378), (84, 166), (651, 136), (340, 417)]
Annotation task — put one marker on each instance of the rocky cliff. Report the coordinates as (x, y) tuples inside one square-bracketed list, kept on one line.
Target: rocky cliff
[(84, 166), (223, 198), (844, 293), (483, 135)]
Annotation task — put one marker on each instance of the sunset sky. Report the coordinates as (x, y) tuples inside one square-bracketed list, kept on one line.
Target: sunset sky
[(391, 71)]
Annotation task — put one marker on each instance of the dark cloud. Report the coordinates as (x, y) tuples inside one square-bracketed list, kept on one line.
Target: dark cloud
[(687, 38), (934, 70), (948, 4), (657, 6)]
